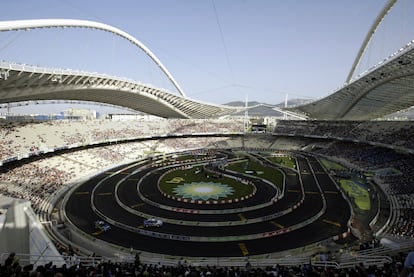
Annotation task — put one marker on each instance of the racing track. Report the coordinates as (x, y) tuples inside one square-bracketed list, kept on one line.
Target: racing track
[(258, 225)]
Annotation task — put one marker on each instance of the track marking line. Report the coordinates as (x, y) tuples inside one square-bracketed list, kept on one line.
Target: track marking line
[(81, 192), (312, 192), (104, 193), (332, 222), (243, 249), (277, 224), (137, 205), (241, 216), (97, 233)]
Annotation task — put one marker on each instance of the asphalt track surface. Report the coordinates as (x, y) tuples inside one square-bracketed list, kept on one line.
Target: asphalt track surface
[(310, 183)]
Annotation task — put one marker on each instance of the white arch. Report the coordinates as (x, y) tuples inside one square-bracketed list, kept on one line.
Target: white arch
[(369, 36), (52, 23)]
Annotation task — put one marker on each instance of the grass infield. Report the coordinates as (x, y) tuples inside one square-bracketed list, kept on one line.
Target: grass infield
[(272, 175), (283, 161), (196, 174), (357, 192), (330, 165)]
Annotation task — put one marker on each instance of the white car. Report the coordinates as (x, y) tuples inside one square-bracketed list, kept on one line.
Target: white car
[(102, 226), (152, 222)]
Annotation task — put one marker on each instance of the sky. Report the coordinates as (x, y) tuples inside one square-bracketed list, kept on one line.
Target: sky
[(218, 51)]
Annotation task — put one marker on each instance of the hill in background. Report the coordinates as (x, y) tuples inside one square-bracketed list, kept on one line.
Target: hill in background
[(264, 109), (291, 103)]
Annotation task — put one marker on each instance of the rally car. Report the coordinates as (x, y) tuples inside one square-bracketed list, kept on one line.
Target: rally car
[(102, 225), (152, 222)]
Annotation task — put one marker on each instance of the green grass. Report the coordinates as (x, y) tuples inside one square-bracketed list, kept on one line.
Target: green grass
[(272, 175), (331, 165), (283, 161), (357, 193), (189, 176)]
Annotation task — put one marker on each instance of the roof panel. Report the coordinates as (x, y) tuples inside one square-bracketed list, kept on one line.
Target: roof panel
[(32, 83), (385, 89)]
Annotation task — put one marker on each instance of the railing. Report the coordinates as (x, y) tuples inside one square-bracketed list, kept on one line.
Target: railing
[(59, 71), (350, 262), (37, 260)]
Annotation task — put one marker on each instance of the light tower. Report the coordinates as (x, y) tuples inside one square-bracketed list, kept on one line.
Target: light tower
[(246, 116), (286, 104)]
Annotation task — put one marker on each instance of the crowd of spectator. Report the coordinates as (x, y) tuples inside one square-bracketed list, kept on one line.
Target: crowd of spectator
[(398, 183), (395, 133), (13, 267), (369, 146), (404, 224), (32, 182), (22, 138), (38, 180)]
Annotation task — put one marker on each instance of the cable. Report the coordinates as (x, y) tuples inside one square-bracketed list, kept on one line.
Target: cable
[(223, 41), (10, 42)]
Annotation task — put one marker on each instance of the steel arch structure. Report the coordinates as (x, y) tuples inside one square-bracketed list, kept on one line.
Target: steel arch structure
[(25, 83), (369, 36), (386, 88), (74, 23)]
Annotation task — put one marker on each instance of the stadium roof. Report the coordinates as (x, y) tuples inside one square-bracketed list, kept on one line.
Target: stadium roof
[(24, 83), (386, 88)]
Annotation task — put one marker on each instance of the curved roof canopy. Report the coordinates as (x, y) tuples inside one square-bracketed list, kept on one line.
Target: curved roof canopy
[(24, 83), (75, 23), (384, 89)]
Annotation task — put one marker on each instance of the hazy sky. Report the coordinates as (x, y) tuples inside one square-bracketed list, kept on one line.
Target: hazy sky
[(217, 50)]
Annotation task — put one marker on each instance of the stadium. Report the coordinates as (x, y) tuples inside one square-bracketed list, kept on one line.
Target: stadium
[(185, 187)]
